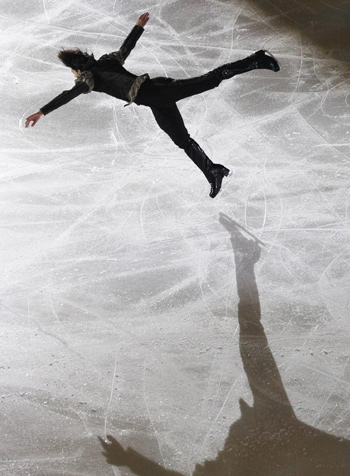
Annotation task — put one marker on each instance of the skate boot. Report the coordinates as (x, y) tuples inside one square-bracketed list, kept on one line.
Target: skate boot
[(259, 60), (215, 178), (214, 173), (265, 60)]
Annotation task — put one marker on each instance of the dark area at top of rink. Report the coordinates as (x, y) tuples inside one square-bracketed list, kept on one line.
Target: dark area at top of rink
[(312, 18)]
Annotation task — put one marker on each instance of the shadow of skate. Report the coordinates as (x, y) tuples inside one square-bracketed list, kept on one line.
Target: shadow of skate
[(268, 439)]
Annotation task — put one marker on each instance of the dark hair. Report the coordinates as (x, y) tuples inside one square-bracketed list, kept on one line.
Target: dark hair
[(76, 59)]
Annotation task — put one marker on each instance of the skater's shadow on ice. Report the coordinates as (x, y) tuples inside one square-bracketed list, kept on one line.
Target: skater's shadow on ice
[(268, 439)]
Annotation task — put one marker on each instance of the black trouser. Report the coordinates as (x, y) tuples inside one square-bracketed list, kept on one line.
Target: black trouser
[(161, 95)]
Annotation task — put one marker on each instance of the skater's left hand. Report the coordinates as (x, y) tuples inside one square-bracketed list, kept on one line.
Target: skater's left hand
[(143, 19), (33, 118)]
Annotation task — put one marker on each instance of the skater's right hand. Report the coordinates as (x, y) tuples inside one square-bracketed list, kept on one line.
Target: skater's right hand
[(33, 118), (114, 452), (143, 19)]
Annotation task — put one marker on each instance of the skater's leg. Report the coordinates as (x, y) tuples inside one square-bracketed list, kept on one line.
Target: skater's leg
[(170, 121), (162, 92)]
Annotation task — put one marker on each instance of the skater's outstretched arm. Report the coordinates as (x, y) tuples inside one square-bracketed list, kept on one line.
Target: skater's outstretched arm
[(131, 40), (58, 101), (140, 465)]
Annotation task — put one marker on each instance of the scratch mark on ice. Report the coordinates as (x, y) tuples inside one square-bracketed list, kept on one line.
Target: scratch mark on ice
[(148, 412), (111, 396)]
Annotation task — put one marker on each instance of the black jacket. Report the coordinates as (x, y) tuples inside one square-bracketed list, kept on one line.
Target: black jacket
[(106, 75)]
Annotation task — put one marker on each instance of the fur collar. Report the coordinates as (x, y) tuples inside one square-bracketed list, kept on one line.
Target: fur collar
[(88, 78)]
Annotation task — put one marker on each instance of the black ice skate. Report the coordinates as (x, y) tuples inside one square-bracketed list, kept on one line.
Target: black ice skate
[(259, 60), (214, 173), (265, 60), (215, 178)]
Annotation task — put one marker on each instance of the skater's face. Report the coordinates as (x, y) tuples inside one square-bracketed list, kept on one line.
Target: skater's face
[(76, 73)]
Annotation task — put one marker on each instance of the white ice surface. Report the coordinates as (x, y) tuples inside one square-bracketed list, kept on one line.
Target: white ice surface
[(118, 288)]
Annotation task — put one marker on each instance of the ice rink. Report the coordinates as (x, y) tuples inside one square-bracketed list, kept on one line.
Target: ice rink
[(130, 300)]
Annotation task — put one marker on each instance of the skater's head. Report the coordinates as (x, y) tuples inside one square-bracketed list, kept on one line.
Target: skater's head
[(76, 59)]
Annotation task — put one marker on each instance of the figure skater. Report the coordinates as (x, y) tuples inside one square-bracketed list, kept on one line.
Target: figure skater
[(107, 75)]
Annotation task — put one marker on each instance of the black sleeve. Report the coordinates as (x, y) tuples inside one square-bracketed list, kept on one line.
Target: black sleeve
[(129, 43), (65, 97)]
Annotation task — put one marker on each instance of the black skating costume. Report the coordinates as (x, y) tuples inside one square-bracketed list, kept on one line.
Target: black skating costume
[(107, 75)]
